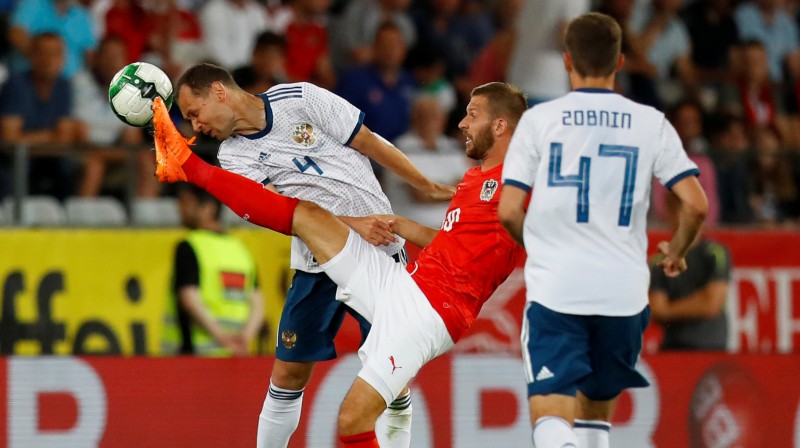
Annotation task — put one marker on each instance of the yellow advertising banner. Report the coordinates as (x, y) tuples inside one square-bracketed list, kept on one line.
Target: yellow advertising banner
[(105, 291)]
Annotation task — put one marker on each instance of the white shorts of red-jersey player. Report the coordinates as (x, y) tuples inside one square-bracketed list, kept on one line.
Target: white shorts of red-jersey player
[(406, 331)]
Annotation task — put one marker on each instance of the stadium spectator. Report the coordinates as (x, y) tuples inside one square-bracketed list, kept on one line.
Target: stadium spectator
[(438, 156), (731, 146), (65, 18), (353, 33), (492, 62), (665, 40), (775, 192), (267, 66), (756, 98), (713, 36), (307, 42), (537, 63), (427, 65), (637, 79), (230, 28), (687, 118), (383, 90), (768, 22), (459, 29), (35, 109), (129, 20), (691, 307), (100, 127), (177, 38), (216, 308)]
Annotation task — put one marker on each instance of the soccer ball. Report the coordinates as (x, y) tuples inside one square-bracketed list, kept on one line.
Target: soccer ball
[(133, 90)]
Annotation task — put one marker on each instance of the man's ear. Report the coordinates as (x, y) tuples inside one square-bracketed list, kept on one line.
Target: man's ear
[(499, 126), (218, 91)]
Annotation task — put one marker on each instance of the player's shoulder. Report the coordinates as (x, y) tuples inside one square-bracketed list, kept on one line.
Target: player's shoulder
[(287, 90)]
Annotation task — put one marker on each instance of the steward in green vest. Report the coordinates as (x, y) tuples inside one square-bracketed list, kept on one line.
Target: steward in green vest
[(215, 308)]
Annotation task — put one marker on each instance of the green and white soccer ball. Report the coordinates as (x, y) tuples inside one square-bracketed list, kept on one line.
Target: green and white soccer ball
[(133, 90)]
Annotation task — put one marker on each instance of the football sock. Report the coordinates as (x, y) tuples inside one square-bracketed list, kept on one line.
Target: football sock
[(553, 432), (592, 433), (279, 417), (363, 440), (393, 428), (247, 198)]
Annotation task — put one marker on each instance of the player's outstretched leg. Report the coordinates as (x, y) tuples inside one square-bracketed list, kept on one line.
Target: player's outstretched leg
[(176, 162)]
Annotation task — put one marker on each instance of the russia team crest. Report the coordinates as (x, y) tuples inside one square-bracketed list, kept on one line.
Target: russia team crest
[(304, 134), (488, 190)]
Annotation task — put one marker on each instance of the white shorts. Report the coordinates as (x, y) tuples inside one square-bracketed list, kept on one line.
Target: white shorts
[(406, 331)]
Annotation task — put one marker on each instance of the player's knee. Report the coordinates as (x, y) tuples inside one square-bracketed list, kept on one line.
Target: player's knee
[(349, 421), (291, 375)]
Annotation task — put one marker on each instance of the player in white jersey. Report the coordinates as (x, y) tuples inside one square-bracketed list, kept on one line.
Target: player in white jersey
[(305, 142), (589, 157)]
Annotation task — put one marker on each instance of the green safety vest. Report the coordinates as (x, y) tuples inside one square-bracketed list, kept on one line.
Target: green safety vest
[(227, 279)]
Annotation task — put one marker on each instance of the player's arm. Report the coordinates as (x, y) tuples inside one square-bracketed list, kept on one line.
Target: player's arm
[(691, 213), (703, 304), (375, 229), (387, 155), (412, 231), (511, 210)]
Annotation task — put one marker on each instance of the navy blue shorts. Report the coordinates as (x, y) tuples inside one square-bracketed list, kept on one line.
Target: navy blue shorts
[(311, 318), (565, 353)]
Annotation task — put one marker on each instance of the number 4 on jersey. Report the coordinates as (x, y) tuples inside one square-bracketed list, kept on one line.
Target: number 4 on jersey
[(308, 164), (581, 180)]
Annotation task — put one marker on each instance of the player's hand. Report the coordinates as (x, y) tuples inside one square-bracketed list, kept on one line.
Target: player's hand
[(440, 192), (375, 229), (671, 264)]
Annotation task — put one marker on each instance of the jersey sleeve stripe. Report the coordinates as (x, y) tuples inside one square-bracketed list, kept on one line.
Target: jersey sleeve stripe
[(275, 98), (356, 129), (518, 184), (265, 182), (295, 89), (681, 176)]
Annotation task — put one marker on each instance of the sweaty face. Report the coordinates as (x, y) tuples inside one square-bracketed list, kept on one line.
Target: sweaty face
[(477, 128), (207, 113)]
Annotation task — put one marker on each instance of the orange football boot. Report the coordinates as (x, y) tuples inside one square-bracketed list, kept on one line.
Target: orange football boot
[(172, 149)]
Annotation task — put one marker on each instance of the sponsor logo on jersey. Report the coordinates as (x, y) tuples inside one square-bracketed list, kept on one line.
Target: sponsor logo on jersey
[(304, 134), (263, 157), (488, 190), (289, 339)]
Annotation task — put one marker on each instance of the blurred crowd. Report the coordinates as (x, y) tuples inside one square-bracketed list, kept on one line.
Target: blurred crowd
[(726, 73)]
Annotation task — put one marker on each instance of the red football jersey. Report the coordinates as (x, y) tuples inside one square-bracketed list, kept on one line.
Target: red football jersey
[(470, 256)]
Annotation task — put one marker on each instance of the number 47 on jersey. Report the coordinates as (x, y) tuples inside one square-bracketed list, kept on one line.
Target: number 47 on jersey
[(581, 180)]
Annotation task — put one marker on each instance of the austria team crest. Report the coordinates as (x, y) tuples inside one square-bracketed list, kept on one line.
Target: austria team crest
[(304, 134), (488, 190)]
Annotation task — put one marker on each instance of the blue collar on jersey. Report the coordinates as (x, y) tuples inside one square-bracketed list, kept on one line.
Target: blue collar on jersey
[(594, 90), (268, 113)]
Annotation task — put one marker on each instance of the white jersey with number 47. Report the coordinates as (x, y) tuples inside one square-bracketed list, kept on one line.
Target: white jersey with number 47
[(589, 157), (304, 153)]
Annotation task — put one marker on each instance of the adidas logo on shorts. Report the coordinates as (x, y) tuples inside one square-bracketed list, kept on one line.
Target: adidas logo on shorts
[(544, 374)]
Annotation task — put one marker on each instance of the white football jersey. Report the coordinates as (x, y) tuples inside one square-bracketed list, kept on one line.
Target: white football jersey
[(303, 152), (589, 157)]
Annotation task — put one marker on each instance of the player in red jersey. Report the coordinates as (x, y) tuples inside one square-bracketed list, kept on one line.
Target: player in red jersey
[(417, 312)]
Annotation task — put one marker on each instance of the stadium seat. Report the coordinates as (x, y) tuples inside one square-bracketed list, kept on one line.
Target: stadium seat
[(160, 212), (95, 212), (37, 211)]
